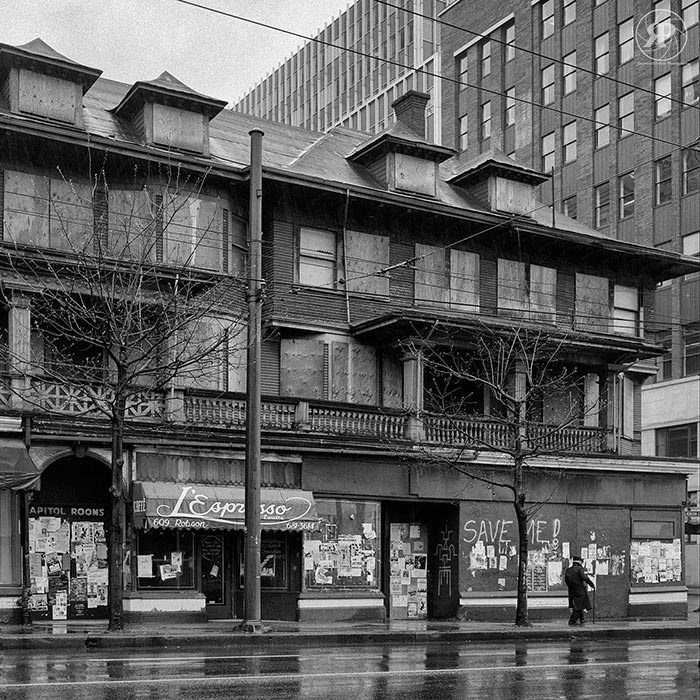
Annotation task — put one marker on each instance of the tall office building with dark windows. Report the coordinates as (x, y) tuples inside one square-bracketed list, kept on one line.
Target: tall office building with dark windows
[(322, 85)]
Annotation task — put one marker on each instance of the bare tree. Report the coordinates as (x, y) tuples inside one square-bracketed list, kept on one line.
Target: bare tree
[(132, 296), (511, 391)]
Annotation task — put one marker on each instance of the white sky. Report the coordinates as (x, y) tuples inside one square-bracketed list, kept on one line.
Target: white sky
[(132, 40)]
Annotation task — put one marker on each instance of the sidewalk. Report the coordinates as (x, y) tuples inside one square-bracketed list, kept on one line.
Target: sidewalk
[(93, 634)]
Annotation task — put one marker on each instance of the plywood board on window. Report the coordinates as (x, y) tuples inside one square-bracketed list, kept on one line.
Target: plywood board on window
[(392, 381), (464, 281), (431, 283), (512, 288), (71, 218), (301, 368), (47, 96), (340, 371), (131, 216), (366, 255), (543, 293), (26, 209), (592, 303), (363, 387)]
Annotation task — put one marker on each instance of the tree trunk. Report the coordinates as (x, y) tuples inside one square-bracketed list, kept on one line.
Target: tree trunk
[(521, 616), (116, 530)]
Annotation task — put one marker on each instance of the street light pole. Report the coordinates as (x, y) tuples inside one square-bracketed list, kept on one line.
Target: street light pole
[(251, 613)]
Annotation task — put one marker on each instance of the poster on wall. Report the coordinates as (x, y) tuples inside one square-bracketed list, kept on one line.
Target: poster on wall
[(67, 562), (408, 570), (656, 561), (344, 551)]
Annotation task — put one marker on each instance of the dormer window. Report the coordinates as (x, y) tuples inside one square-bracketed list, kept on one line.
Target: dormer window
[(400, 157), (40, 82), (169, 114)]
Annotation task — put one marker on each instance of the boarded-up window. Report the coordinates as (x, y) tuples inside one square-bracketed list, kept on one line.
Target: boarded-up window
[(71, 216), (366, 255), (203, 349), (392, 381), (301, 368), (543, 293), (192, 230), (592, 303), (464, 281), (431, 283), (513, 297), (353, 373), (26, 210), (131, 225), (625, 310)]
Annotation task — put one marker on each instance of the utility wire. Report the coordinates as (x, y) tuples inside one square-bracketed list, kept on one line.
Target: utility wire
[(532, 52), (430, 73)]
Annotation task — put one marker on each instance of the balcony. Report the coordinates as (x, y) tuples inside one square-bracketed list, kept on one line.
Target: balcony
[(292, 417)]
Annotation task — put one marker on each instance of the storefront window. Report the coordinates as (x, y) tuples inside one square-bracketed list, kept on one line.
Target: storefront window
[(164, 559), (655, 553), (345, 551)]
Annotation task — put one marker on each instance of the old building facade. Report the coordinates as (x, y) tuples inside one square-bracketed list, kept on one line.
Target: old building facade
[(379, 253)]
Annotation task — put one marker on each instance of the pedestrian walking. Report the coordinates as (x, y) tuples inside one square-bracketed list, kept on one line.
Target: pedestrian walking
[(577, 580)]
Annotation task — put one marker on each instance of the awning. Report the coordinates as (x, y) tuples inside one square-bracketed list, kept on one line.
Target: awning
[(162, 504), (17, 470)]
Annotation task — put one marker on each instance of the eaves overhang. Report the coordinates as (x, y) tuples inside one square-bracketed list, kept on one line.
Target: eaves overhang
[(450, 328), (386, 143)]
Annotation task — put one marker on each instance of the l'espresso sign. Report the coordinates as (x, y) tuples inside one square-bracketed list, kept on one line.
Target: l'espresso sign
[(193, 508)]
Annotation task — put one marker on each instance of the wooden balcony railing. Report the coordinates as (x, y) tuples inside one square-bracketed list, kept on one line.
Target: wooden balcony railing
[(205, 409)]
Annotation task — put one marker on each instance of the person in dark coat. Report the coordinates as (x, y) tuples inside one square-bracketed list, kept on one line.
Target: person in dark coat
[(576, 580)]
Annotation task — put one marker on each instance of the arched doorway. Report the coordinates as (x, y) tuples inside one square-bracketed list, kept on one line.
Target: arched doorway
[(67, 540)]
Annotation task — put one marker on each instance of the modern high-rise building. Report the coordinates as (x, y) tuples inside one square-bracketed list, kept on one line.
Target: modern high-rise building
[(353, 69), (604, 94)]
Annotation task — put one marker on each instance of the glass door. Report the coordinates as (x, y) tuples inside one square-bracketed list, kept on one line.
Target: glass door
[(215, 573)]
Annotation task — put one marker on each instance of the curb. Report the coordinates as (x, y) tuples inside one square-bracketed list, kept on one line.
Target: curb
[(118, 640)]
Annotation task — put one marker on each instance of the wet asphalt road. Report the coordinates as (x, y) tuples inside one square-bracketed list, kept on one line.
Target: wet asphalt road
[(576, 670)]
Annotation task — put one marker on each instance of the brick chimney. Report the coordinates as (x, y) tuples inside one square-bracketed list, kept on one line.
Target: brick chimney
[(410, 110)]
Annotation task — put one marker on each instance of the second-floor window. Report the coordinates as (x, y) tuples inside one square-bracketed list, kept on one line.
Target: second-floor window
[(626, 310), (527, 291), (677, 441), (317, 258)]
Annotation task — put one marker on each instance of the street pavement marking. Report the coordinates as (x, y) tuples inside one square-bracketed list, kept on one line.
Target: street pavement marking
[(274, 677)]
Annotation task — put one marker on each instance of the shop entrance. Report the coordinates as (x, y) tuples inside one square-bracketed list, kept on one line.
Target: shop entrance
[(421, 574), (68, 556), (217, 551)]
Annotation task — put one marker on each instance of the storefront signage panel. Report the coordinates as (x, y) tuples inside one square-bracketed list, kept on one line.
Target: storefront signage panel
[(184, 506)]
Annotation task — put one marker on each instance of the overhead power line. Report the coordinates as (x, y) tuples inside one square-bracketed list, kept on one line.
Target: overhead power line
[(423, 71)]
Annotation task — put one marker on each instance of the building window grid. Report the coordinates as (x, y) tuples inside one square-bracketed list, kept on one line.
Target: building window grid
[(485, 58), (601, 116), (601, 56), (569, 73), (569, 207), (602, 205), (691, 349), (547, 18), (548, 78), (569, 142), (463, 132), (548, 151), (662, 180), (625, 38), (691, 171), (486, 121), (689, 12), (626, 195), (509, 111), (677, 441), (690, 78), (509, 42), (662, 96), (568, 12), (625, 114)]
